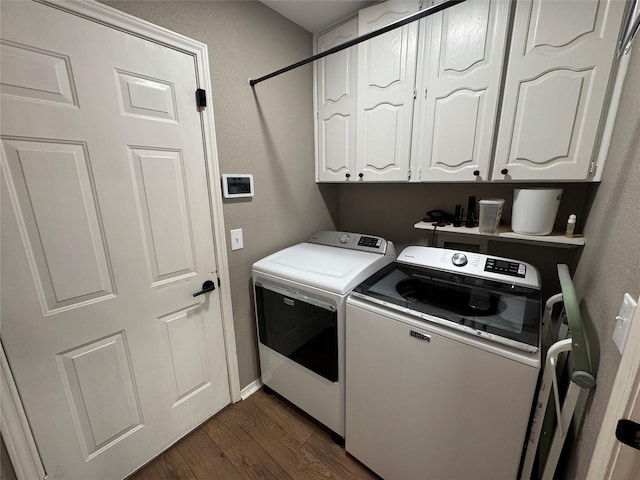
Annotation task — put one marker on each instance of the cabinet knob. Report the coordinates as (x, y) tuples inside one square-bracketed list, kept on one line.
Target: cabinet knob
[(347, 175), (504, 171), (361, 175), (476, 173)]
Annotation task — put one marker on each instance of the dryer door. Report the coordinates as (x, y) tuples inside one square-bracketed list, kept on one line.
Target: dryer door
[(300, 327)]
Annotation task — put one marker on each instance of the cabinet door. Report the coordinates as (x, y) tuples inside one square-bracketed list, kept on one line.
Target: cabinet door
[(386, 80), (336, 88), (555, 88), (459, 74)]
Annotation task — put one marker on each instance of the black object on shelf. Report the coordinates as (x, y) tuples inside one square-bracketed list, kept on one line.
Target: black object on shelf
[(457, 217), (471, 213)]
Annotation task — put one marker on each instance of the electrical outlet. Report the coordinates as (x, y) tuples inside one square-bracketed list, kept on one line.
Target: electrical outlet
[(623, 321), (236, 239)]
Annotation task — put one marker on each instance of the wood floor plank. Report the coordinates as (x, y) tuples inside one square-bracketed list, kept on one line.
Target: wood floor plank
[(243, 452), (205, 459), (293, 421), (336, 458), (168, 466), (296, 459), (258, 438)]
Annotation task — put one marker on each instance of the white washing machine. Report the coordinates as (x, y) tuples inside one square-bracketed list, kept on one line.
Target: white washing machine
[(300, 295), (443, 360)]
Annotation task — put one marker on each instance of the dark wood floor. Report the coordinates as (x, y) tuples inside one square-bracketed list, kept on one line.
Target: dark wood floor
[(262, 437)]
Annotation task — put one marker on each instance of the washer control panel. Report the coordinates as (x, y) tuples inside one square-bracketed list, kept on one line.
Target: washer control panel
[(473, 264), (506, 267)]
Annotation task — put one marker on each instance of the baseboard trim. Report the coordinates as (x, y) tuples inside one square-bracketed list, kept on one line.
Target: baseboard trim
[(250, 389)]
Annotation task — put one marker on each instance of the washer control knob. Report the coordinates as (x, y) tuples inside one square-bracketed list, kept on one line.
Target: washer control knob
[(344, 238), (459, 259)]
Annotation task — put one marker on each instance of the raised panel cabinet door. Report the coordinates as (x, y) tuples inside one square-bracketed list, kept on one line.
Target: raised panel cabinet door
[(459, 75), (336, 87), (555, 89), (386, 82), (106, 233)]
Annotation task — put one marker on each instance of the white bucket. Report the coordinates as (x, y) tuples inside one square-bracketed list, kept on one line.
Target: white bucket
[(534, 210)]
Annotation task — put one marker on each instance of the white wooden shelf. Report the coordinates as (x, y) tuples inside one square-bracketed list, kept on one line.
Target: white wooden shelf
[(504, 234)]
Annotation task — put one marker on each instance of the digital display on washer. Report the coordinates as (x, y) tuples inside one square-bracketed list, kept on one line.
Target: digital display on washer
[(505, 267), (478, 305)]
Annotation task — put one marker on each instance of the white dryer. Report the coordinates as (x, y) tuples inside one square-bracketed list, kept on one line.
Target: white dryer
[(300, 296)]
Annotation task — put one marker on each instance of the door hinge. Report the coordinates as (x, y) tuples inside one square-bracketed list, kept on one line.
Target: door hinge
[(409, 175), (201, 98), (425, 93), (218, 280), (593, 166), (415, 94)]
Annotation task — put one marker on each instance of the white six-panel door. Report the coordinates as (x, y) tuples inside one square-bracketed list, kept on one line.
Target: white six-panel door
[(106, 233), (386, 79), (555, 88), (459, 77)]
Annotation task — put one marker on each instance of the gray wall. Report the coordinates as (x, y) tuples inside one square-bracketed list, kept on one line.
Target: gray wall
[(268, 133), (610, 264)]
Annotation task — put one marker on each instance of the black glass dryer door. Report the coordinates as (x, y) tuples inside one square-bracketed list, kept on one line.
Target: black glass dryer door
[(305, 331)]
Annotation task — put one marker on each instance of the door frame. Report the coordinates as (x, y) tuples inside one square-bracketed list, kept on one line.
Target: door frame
[(624, 391), (124, 22)]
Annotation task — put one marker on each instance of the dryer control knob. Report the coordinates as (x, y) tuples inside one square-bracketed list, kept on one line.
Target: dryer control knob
[(459, 259), (344, 238)]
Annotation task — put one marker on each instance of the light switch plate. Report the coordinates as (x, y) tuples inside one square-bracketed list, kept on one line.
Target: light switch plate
[(623, 321), (236, 239)]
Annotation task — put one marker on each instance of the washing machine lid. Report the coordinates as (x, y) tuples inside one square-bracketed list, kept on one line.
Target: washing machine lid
[(330, 268), (483, 296)]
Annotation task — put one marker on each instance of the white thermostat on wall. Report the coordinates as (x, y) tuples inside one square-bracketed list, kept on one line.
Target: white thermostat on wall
[(237, 185)]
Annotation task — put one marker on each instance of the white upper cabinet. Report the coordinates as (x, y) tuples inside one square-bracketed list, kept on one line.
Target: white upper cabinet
[(336, 87), (459, 73), (555, 89), (386, 82)]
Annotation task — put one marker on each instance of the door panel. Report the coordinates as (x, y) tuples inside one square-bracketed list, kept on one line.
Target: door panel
[(106, 233), (551, 106), (459, 75), (386, 80), (336, 103), (100, 416), (162, 207), (555, 88), (38, 75), (53, 185)]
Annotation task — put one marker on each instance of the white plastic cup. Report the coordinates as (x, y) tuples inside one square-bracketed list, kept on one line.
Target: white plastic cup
[(490, 213), (534, 210)]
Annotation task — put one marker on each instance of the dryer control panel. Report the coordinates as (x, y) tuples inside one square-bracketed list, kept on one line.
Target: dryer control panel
[(353, 241)]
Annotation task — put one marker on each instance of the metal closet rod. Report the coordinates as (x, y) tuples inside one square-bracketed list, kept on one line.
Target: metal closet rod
[(392, 26)]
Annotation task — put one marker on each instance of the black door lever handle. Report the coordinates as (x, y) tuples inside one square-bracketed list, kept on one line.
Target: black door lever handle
[(207, 286), (628, 432)]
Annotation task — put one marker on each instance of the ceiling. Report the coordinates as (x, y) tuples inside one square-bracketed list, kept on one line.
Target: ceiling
[(314, 15)]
